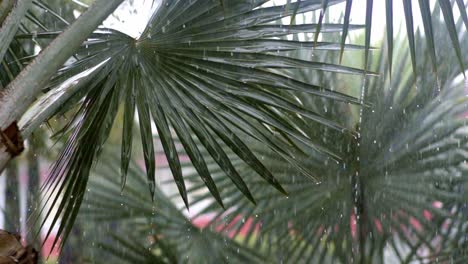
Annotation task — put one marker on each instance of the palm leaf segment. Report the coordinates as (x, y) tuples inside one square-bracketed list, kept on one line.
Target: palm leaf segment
[(199, 70), (401, 190), (445, 6)]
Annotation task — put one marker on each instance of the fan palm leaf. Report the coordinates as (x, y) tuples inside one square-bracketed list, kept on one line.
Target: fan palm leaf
[(176, 76), (409, 204)]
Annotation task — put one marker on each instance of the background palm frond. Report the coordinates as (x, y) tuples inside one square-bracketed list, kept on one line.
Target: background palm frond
[(429, 19), (400, 190), (160, 232)]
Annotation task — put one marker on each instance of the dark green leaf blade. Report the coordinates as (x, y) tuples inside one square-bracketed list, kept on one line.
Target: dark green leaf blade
[(218, 154), (389, 20), (167, 142), (429, 32), (127, 130), (195, 156), (407, 6), (241, 149), (211, 145), (462, 8), (319, 26), (447, 12), (294, 14), (344, 34), (146, 139), (369, 6)]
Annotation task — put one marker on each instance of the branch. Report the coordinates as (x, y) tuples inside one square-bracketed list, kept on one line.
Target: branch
[(21, 92), (10, 25)]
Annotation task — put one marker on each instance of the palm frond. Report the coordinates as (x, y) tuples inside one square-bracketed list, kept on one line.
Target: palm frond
[(198, 71), (424, 8), (131, 250)]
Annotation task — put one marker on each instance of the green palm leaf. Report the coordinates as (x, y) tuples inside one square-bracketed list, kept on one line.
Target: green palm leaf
[(424, 7), (176, 75)]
